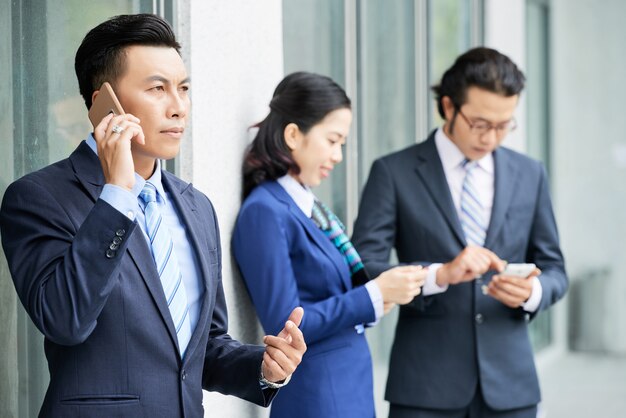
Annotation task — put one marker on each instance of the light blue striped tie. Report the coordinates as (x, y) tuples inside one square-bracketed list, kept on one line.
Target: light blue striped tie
[(472, 218), (167, 265)]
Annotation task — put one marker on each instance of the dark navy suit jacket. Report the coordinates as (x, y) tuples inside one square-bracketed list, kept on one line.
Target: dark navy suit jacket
[(110, 341), (287, 261), (446, 344)]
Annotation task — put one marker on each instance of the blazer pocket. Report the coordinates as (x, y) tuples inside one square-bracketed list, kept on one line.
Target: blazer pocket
[(117, 399)]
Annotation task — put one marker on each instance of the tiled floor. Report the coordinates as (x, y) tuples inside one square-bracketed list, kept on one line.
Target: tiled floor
[(578, 385)]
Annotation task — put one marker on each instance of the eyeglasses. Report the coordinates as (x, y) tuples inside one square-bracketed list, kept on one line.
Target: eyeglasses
[(481, 127)]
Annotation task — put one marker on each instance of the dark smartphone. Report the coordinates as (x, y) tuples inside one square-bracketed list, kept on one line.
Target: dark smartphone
[(105, 102)]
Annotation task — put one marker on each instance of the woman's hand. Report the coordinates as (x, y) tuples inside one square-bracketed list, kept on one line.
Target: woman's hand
[(401, 284)]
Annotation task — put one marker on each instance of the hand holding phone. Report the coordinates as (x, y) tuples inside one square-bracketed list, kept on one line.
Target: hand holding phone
[(105, 102), (519, 269), (114, 130)]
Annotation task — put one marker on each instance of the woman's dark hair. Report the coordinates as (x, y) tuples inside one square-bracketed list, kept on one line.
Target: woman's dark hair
[(100, 57), (480, 67), (302, 98)]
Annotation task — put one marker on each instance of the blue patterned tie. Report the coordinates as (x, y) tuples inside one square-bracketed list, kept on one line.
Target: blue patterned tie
[(167, 265), (472, 218), (332, 227)]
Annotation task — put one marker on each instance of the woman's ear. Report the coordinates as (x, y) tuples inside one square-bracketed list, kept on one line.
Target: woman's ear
[(292, 136)]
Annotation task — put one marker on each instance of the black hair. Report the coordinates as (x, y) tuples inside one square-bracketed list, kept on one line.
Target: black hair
[(302, 98), (100, 56), (480, 67)]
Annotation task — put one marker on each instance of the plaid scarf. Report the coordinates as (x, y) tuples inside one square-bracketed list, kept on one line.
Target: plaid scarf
[(332, 227)]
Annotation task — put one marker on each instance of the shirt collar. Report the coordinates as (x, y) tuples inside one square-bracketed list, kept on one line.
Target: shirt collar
[(155, 179), (301, 195), (452, 157)]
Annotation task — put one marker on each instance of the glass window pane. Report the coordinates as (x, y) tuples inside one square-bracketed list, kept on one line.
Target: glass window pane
[(386, 79), (313, 40), (537, 84), (538, 124), (448, 37)]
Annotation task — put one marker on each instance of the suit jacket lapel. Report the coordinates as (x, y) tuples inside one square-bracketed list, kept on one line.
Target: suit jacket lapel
[(505, 179), (430, 170), (182, 196), (318, 237)]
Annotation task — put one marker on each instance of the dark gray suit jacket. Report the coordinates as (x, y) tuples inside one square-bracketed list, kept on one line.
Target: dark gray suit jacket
[(110, 341), (447, 344)]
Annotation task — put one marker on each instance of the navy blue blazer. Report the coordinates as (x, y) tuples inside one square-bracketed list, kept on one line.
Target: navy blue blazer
[(287, 261), (447, 344), (110, 341)]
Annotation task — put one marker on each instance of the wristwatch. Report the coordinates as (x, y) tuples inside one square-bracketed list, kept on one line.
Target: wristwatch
[(272, 385)]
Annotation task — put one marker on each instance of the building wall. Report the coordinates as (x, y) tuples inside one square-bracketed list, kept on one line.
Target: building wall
[(235, 60)]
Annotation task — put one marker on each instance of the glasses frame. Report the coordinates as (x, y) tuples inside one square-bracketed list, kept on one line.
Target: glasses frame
[(501, 129)]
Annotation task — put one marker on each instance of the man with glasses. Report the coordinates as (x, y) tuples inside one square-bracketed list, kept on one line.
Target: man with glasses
[(464, 206)]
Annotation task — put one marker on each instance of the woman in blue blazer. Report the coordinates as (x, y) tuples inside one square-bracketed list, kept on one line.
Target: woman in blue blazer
[(293, 251)]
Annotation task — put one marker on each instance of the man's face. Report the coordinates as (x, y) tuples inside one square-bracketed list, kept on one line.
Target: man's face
[(481, 106), (154, 88)]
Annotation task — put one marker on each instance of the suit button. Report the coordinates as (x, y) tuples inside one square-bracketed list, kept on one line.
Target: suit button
[(479, 318), (110, 253), (113, 246), (184, 375), (117, 240), (120, 232)]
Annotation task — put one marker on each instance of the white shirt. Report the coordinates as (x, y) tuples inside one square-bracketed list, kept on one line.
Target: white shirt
[(305, 199), (484, 178)]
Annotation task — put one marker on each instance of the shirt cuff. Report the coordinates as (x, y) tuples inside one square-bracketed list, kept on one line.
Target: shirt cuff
[(377, 300), (533, 302), (121, 199), (430, 284)]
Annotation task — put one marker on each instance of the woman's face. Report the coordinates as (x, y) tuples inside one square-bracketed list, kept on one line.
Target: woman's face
[(317, 151)]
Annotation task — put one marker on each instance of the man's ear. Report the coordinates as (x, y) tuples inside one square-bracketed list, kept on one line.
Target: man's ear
[(448, 108), (93, 95), (292, 136)]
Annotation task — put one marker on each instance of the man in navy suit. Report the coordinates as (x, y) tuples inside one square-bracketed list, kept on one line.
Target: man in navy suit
[(75, 235), (462, 205)]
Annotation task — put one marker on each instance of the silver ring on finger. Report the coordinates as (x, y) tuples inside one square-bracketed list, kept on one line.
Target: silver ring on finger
[(117, 129)]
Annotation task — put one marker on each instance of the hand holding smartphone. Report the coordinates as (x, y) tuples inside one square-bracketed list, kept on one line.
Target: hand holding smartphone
[(519, 269), (105, 102)]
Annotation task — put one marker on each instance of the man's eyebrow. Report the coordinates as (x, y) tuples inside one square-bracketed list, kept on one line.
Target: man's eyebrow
[(165, 80)]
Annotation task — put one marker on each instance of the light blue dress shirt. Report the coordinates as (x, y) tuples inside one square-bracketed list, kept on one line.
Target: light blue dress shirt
[(131, 205)]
